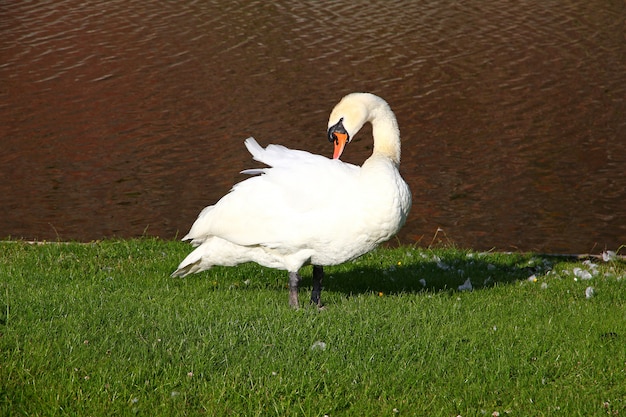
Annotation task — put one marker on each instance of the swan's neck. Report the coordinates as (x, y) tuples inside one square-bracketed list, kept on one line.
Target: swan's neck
[(386, 134)]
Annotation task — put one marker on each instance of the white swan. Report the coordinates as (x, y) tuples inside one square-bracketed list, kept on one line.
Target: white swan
[(305, 208)]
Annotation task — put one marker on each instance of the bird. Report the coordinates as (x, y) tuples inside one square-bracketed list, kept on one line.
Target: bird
[(307, 209)]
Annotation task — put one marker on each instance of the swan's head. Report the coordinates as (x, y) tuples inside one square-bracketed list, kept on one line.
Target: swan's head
[(346, 119)]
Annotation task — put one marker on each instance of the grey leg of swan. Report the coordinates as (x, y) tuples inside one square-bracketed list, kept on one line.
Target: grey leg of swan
[(318, 275), (294, 280)]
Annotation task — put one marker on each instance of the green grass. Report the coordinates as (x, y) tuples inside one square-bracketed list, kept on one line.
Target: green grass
[(101, 329)]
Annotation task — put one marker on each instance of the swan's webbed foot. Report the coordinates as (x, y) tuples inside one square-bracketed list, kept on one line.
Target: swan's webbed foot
[(294, 281), (316, 293)]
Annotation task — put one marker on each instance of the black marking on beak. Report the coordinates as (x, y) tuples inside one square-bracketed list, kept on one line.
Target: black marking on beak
[(337, 128)]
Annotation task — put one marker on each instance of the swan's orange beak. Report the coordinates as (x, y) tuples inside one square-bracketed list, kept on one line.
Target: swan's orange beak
[(340, 140), (338, 135)]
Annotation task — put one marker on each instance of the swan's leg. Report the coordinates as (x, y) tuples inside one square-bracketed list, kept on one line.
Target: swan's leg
[(294, 281), (318, 276)]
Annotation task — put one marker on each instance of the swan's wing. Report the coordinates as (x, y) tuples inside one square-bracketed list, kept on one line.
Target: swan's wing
[(278, 156), (294, 200)]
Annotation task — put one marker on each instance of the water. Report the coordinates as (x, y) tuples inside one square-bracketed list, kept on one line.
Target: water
[(125, 118)]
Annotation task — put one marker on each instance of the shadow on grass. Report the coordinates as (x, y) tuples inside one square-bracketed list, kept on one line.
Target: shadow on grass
[(431, 274), (405, 270)]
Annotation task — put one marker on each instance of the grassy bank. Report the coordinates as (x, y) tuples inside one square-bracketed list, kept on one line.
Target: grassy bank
[(101, 329)]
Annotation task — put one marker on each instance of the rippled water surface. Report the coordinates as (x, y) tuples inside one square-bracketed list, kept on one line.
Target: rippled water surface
[(125, 118)]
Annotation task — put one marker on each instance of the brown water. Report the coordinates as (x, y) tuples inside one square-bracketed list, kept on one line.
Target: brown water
[(125, 118)]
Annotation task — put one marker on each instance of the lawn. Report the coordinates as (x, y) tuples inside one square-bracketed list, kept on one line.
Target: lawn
[(101, 329)]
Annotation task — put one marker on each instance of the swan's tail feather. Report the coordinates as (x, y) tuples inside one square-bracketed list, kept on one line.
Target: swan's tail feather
[(182, 272), (191, 264), (191, 268)]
